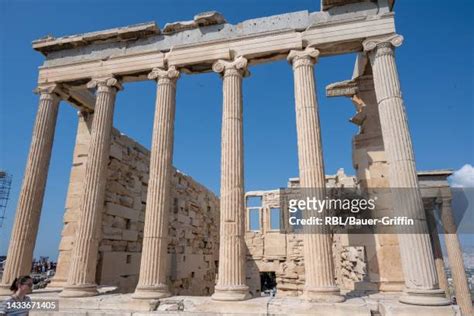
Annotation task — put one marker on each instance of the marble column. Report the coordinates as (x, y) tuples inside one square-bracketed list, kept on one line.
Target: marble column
[(384, 264), (455, 257), (25, 227), (152, 282), (81, 279), (231, 284), (76, 178), (436, 244), (421, 279), (320, 283)]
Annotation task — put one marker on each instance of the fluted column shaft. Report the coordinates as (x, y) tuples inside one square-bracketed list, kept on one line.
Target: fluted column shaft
[(25, 227), (154, 261), (231, 279), (320, 282), (421, 281), (455, 256), (81, 279), (437, 250)]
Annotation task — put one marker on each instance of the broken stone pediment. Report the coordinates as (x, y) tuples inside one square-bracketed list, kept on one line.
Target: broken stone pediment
[(49, 43), (209, 18), (179, 26), (200, 19)]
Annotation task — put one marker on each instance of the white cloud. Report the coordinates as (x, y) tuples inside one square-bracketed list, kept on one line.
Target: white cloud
[(463, 178)]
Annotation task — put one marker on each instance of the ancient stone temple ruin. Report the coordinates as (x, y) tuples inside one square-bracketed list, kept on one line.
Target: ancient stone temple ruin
[(193, 220), (135, 222), (363, 263)]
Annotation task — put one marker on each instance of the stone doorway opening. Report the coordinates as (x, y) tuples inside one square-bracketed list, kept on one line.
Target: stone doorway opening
[(268, 283)]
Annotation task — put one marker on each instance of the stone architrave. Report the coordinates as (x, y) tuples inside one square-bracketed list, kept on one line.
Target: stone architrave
[(455, 257), (81, 279), (421, 280), (25, 227), (152, 282), (320, 283), (231, 285)]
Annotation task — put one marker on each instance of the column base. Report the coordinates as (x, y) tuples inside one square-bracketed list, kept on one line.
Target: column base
[(231, 293), (57, 283), (5, 290), (436, 297), (323, 294), (393, 286), (83, 290), (151, 292)]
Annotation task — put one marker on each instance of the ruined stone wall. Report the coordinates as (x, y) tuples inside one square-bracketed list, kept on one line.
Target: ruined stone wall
[(370, 163), (362, 262), (282, 251), (278, 251), (193, 221)]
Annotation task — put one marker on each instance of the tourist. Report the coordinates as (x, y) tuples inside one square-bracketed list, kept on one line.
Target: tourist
[(18, 303)]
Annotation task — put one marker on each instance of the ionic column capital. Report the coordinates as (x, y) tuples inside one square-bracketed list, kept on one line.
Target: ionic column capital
[(162, 75), (238, 66), (384, 44), (104, 84), (48, 91), (307, 57)]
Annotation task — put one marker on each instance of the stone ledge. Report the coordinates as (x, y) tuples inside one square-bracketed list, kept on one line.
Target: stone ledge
[(124, 305), (295, 306), (48, 43), (394, 308)]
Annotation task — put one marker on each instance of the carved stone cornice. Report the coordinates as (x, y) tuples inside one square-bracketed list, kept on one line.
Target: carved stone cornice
[(307, 57), (383, 44), (238, 67), (164, 76), (346, 88), (48, 91), (104, 84)]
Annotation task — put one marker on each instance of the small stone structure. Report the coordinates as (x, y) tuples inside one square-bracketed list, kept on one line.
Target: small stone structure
[(356, 257)]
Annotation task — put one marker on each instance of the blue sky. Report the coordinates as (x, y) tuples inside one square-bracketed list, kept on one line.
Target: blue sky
[(435, 65)]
